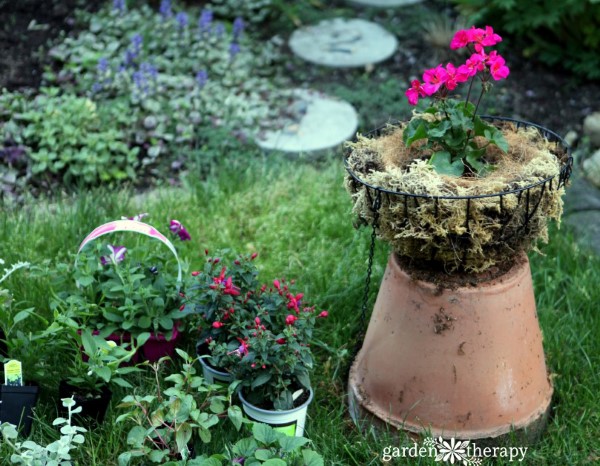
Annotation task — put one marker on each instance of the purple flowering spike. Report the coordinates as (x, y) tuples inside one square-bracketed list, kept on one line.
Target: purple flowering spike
[(201, 78), (119, 5), (165, 9), (182, 19), (234, 49), (238, 28), (117, 254), (205, 21)]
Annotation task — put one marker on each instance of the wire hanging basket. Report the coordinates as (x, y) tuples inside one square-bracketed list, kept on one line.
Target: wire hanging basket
[(511, 218)]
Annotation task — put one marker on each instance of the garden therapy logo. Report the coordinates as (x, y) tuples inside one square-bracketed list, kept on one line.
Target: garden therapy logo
[(454, 451)]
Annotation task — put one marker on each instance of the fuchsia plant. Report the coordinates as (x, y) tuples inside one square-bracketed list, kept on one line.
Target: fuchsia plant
[(448, 125)]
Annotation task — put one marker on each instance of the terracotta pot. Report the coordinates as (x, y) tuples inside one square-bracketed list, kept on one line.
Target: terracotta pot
[(465, 362), (158, 346)]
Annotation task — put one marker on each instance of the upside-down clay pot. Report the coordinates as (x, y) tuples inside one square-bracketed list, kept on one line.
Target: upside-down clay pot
[(466, 363)]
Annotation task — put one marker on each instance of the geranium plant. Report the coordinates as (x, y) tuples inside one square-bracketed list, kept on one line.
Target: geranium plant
[(455, 137)]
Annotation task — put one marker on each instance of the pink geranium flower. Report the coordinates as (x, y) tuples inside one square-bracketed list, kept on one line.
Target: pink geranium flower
[(460, 39), (416, 90), (454, 77), (497, 66), (434, 79)]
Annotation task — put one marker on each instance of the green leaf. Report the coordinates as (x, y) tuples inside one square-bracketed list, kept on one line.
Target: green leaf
[(22, 315), (136, 436), (289, 444), (262, 379), (274, 462), (441, 162), (263, 454), (264, 434), (104, 373), (414, 131), (235, 416), (87, 340), (438, 130), (183, 436), (312, 458), (245, 447)]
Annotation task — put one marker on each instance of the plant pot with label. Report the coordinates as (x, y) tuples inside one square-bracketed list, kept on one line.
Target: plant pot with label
[(16, 405), (460, 199)]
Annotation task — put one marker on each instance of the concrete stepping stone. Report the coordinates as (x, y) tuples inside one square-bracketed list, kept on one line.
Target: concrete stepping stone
[(384, 3), (343, 43), (321, 122)]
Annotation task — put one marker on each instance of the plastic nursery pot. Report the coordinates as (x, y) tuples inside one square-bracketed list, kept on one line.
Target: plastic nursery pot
[(158, 346), (3, 347), (16, 405), (93, 405), (290, 422), (466, 362), (210, 373)]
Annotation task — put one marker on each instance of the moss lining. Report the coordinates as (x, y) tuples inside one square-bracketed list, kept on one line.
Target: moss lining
[(423, 229)]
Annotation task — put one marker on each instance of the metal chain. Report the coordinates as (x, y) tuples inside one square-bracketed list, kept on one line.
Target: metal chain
[(363, 315)]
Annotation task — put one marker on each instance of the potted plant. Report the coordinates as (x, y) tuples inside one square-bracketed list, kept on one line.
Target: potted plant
[(460, 198), (126, 291), (220, 297), (271, 357), (165, 422), (91, 374)]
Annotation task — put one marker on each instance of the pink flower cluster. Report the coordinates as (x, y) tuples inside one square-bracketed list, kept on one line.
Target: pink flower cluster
[(449, 77)]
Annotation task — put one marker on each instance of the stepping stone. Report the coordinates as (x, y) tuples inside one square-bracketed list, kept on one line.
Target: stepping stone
[(385, 3), (343, 43), (321, 122)]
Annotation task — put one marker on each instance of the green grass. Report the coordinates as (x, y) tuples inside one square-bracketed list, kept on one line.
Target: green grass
[(297, 216)]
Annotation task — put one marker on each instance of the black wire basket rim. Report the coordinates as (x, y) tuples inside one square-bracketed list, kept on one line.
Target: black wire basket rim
[(551, 136)]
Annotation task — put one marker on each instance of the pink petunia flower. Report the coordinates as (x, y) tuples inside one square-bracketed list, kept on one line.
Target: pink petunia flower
[(117, 254), (177, 228)]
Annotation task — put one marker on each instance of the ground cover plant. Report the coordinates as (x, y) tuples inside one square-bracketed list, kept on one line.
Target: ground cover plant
[(162, 118)]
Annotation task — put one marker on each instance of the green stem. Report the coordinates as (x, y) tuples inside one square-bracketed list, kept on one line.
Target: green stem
[(470, 87)]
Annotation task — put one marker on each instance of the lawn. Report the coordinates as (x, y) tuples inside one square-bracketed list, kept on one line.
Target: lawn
[(297, 217)]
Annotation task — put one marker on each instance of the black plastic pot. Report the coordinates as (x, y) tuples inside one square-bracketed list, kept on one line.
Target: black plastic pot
[(93, 405), (16, 405)]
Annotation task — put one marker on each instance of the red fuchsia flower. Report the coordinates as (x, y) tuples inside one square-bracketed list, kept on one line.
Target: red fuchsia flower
[(323, 314), (117, 254), (253, 256), (281, 341), (290, 319), (276, 284), (257, 320), (177, 228), (498, 69), (433, 79), (230, 288), (414, 92), (182, 307), (243, 349), (195, 273), (217, 324), (294, 301)]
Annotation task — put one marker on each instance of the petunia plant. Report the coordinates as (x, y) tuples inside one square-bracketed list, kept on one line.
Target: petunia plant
[(455, 136)]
